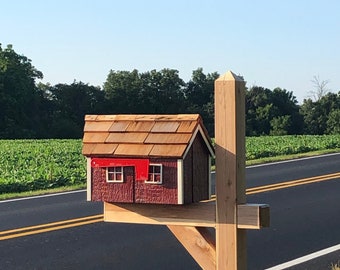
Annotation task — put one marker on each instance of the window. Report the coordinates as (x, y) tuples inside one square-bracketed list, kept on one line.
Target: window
[(114, 175), (155, 174)]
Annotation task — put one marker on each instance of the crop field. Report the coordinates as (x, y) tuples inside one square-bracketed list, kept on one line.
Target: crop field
[(27, 165), (271, 146)]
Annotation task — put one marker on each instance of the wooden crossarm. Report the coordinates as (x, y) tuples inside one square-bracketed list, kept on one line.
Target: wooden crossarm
[(202, 214)]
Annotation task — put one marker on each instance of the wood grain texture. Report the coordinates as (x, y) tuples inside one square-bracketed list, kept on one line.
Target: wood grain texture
[(167, 150), (143, 135), (199, 243), (97, 137), (202, 214), (101, 148), (187, 126), (91, 126), (119, 126), (230, 164), (165, 126), (174, 138), (140, 126), (128, 137), (133, 149)]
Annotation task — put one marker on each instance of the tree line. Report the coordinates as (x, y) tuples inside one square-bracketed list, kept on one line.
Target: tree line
[(29, 109)]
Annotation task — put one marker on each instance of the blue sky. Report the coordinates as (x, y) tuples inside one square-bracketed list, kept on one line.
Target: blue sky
[(270, 43)]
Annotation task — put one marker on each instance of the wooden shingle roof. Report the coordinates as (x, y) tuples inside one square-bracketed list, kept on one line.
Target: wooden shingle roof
[(142, 135)]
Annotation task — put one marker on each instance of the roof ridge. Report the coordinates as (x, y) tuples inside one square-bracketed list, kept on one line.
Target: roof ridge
[(142, 117)]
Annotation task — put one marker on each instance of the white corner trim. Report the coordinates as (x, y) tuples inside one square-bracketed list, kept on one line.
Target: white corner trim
[(180, 182), (88, 179), (209, 176), (199, 129), (211, 150)]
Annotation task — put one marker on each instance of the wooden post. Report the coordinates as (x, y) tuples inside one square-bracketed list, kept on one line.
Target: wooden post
[(230, 171)]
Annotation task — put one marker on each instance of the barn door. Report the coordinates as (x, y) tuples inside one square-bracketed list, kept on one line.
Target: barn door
[(128, 187)]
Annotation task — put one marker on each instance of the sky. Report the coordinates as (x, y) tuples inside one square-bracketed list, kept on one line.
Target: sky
[(270, 43)]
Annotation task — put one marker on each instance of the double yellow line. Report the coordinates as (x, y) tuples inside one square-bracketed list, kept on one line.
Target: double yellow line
[(292, 183), (9, 234)]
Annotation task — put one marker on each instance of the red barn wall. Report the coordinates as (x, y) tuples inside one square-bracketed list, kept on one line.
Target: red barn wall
[(112, 192), (165, 193), (136, 191)]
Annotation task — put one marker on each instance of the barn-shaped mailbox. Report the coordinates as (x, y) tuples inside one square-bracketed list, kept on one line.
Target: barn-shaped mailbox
[(160, 159)]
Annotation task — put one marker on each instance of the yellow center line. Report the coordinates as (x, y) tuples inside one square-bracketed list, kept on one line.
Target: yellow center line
[(50, 227), (292, 183)]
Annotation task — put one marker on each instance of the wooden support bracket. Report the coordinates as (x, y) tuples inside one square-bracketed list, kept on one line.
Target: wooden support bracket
[(199, 242)]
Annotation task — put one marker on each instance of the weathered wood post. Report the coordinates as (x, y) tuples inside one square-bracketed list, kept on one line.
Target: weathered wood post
[(230, 170)]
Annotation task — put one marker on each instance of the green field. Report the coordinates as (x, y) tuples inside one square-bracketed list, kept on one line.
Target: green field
[(40, 164), (28, 165), (271, 146)]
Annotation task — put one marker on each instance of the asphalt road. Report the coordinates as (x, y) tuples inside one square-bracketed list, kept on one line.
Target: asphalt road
[(304, 219)]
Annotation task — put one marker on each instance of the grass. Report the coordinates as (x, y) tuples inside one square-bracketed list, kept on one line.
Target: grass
[(6, 196)]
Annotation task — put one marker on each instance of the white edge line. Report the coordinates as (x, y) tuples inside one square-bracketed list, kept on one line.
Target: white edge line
[(292, 160), (287, 161), (305, 258), (43, 196)]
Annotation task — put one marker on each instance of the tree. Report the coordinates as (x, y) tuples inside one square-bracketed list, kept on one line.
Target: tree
[(200, 89), (122, 90), (280, 125), (199, 94), (272, 112), (320, 88), (333, 122), (259, 111), (288, 108), (316, 114), (162, 92), (149, 92), (19, 98), (70, 103)]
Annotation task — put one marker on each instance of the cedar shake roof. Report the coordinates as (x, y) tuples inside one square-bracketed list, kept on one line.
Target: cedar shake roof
[(142, 135)]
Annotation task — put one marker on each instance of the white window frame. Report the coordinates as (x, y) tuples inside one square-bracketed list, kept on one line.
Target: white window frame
[(153, 175), (115, 173)]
